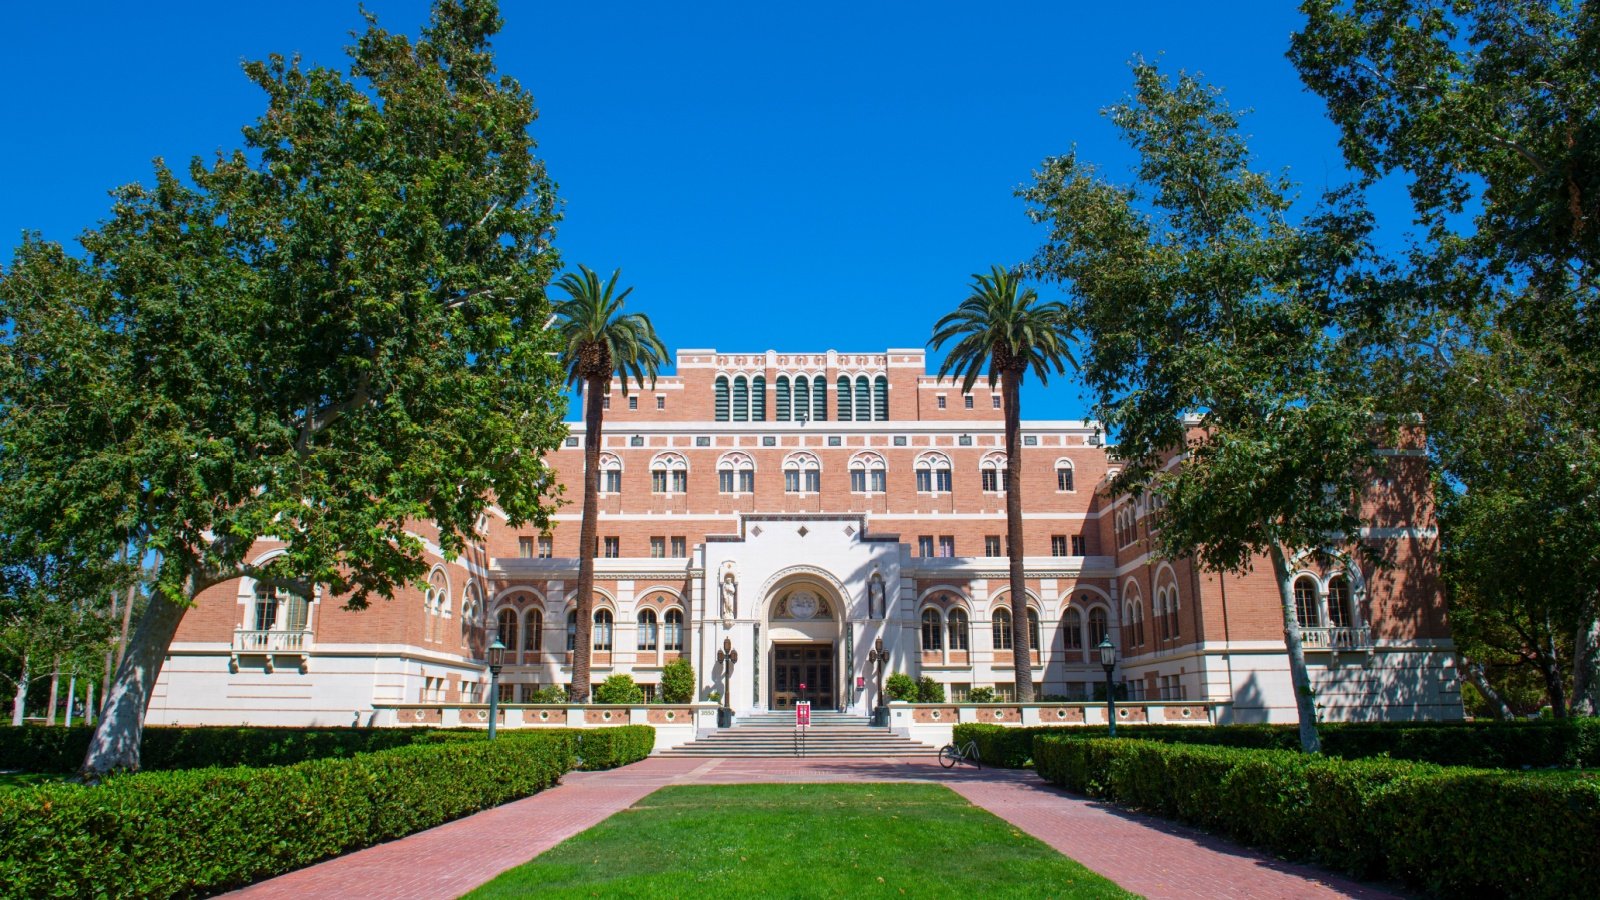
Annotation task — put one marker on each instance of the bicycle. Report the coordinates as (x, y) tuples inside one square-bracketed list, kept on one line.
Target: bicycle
[(950, 754)]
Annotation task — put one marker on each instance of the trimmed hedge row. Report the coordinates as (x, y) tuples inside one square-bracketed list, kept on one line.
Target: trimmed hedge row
[(1479, 744), (1446, 830), (200, 831), (607, 748)]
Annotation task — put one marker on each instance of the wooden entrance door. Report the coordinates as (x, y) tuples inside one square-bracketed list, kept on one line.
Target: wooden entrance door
[(807, 664)]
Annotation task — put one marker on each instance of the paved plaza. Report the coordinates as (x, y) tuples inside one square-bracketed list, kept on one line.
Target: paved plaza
[(1145, 855)]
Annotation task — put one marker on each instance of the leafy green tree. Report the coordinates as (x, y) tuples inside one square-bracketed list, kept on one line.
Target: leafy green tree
[(598, 340), (318, 340), (900, 686), (1217, 328), (929, 691), (619, 688), (550, 693), (677, 682), (1491, 111), (1002, 327)]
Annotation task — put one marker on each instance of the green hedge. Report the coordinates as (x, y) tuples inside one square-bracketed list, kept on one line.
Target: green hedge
[(1455, 831), (34, 748), (1480, 744), (200, 831), (607, 748)]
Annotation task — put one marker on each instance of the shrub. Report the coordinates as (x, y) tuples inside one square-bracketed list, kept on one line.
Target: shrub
[(901, 686), (619, 688), (929, 691), (1445, 830), (677, 681), (40, 749), (201, 831), (608, 748), (981, 695), (998, 745), (550, 693)]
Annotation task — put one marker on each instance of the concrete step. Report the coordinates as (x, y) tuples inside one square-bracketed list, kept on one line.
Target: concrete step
[(773, 734)]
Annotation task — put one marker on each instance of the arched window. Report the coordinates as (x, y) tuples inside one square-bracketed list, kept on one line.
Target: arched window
[(721, 388), (1159, 612), (572, 630), (819, 399), (280, 609), (610, 474), (1099, 626), (602, 629), (933, 473), (533, 635), (846, 408), (802, 399), (471, 613), (437, 603), (780, 391), (863, 399), (669, 474), (1133, 615), (932, 630), (649, 637), (868, 473), (802, 474), (1033, 629), (736, 474), (1072, 630), (880, 398), (992, 470), (741, 399), (1002, 628), (958, 629), (1064, 475), (1339, 614), (758, 398), (1305, 601), (674, 631), (506, 628)]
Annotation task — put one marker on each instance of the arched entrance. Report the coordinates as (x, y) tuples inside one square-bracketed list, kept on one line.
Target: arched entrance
[(804, 656)]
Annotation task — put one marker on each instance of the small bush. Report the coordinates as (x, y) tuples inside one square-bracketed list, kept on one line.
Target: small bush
[(981, 695), (550, 693), (1450, 831), (998, 745), (608, 748), (619, 689), (202, 831), (901, 686), (677, 681), (929, 691)]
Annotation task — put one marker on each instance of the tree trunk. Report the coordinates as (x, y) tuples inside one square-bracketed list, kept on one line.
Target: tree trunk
[(72, 694), (89, 716), (55, 686), (127, 615), (588, 539), (1476, 674), (1021, 650), (1586, 660), (19, 703), (1548, 660), (115, 744), (1299, 675)]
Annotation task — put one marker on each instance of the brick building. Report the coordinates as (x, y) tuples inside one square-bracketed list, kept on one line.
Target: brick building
[(804, 505)]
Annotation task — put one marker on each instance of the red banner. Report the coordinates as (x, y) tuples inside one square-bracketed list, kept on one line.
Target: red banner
[(802, 714)]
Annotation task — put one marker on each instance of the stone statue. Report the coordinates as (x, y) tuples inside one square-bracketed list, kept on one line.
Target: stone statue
[(875, 597), (730, 598)]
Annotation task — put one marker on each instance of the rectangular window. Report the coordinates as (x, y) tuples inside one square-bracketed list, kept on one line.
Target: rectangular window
[(991, 545), (611, 481), (525, 547), (633, 402), (658, 548), (899, 440), (995, 480), (1064, 478), (572, 442), (858, 481), (605, 402), (967, 400), (1030, 440), (1079, 546), (925, 480), (680, 482), (994, 400), (925, 545), (941, 401), (702, 440), (947, 545), (546, 547), (878, 481), (679, 547), (661, 401), (1058, 545), (747, 482), (835, 440), (725, 481), (613, 547), (813, 481), (769, 440)]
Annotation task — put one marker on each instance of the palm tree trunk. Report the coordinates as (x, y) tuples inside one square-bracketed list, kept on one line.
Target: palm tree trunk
[(1021, 652), (583, 641), (1299, 675), (115, 744)]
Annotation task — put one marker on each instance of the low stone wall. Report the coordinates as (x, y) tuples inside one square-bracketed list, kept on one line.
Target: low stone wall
[(675, 724), (933, 723)]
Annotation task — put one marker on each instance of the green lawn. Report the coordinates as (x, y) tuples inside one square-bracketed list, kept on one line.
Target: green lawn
[(802, 840)]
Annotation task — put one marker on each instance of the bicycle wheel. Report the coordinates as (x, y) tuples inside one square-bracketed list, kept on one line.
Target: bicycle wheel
[(948, 756)]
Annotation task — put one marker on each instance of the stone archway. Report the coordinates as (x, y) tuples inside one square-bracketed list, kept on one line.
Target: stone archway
[(803, 625)]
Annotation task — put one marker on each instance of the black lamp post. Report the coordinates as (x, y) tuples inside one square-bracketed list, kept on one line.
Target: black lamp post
[(497, 658), (727, 656), (879, 657), (1108, 661)]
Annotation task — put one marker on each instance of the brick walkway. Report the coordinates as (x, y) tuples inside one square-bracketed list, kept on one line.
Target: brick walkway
[(1148, 856)]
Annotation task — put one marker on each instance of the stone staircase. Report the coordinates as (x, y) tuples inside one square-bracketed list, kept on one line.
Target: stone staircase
[(773, 734)]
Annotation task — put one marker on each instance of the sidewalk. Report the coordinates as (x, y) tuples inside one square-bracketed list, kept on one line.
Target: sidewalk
[(1148, 856)]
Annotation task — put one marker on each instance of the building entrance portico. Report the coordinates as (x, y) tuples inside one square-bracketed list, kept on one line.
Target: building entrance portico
[(802, 672)]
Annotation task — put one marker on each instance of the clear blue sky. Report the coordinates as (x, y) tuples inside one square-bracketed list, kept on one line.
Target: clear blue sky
[(792, 176)]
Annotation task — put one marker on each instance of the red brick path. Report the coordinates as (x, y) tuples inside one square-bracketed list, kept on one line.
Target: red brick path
[(1147, 856)]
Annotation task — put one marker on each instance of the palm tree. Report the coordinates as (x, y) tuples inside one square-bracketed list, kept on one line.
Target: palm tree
[(1002, 325), (598, 340)]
